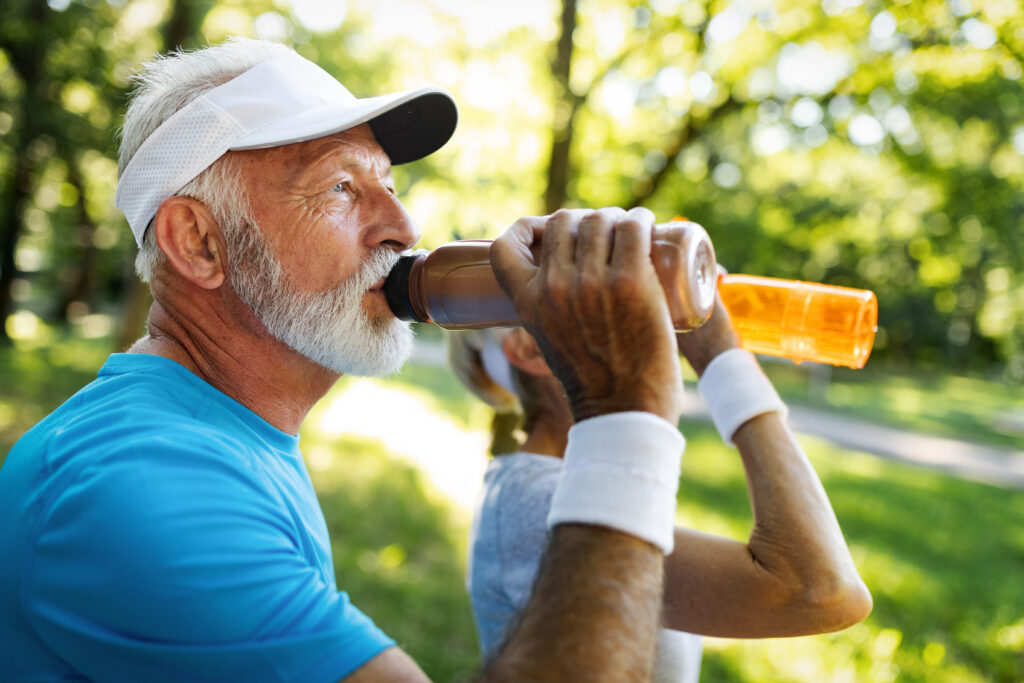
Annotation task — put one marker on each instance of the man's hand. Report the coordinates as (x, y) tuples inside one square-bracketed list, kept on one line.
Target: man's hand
[(594, 303)]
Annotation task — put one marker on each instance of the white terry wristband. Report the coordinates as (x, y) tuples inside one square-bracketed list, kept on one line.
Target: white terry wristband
[(621, 470), (736, 390)]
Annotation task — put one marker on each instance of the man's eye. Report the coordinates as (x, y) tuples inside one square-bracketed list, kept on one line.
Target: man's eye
[(342, 187)]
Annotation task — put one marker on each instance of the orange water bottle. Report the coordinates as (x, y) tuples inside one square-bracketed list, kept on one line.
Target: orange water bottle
[(801, 320)]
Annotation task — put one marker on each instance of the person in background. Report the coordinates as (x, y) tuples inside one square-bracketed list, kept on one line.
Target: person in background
[(794, 575)]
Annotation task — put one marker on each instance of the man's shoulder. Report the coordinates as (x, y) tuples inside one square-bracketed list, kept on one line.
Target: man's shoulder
[(126, 411), (135, 417), (156, 392)]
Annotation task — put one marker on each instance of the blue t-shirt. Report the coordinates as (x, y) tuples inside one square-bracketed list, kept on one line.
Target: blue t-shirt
[(154, 529)]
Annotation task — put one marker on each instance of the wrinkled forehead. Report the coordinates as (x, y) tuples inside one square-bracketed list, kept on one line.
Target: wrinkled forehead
[(353, 151)]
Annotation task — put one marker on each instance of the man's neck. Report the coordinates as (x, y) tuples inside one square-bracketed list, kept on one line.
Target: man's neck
[(263, 374)]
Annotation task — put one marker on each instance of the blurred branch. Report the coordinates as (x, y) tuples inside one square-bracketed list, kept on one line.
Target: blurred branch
[(182, 27), (687, 132), (568, 103)]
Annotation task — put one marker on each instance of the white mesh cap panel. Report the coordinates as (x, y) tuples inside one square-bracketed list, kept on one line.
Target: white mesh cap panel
[(176, 152)]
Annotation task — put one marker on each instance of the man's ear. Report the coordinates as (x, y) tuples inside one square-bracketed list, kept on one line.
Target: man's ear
[(522, 351), (190, 238)]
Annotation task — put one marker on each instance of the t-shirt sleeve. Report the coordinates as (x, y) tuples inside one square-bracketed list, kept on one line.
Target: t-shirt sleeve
[(181, 566)]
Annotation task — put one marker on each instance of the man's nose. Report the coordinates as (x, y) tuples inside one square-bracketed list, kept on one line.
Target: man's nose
[(392, 225)]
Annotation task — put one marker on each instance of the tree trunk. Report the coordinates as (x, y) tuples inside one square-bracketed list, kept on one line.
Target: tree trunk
[(18, 195), (566, 106), (180, 30), (82, 282)]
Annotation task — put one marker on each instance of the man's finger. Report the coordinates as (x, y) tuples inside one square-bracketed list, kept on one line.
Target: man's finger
[(559, 239), (511, 257), (594, 244), (633, 240), (641, 214), (613, 213)]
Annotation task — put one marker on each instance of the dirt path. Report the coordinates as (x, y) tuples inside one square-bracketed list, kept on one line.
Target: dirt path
[(979, 462)]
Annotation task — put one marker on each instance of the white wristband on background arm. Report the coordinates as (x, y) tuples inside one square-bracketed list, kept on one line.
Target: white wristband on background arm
[(621, 470), (736, 390)]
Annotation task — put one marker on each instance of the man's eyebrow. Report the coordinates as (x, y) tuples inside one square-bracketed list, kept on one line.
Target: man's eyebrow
[(346, 160)]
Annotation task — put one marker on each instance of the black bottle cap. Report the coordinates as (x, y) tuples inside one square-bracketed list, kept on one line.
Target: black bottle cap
[(396, 289)]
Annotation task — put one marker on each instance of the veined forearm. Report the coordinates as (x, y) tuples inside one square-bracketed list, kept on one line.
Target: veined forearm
[(594, 611), (796, 537), (794, 576)]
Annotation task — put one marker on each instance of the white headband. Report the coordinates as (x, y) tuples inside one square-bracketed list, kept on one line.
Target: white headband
[(277, 102)]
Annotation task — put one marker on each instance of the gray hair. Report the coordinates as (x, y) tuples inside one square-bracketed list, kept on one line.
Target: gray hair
[(165, 85)]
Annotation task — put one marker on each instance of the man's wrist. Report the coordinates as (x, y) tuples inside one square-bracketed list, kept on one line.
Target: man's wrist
[(701, 363), (701, 351)]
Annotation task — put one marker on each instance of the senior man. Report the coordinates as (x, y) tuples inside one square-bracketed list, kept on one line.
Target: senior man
[(161, 525)]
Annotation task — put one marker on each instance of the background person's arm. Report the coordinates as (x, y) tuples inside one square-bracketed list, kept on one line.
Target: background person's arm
[(794, 576)]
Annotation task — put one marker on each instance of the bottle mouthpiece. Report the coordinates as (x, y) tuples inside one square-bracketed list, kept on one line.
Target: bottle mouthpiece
[(396, 289)]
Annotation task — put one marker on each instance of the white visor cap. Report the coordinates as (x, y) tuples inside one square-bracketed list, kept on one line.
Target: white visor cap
[(277, 102)]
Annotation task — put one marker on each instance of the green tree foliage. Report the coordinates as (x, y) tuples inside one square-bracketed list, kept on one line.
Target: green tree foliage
[(59, 96), (856, 142), (865, 144)]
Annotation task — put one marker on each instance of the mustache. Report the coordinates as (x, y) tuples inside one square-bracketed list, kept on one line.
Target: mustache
[(371, 271)]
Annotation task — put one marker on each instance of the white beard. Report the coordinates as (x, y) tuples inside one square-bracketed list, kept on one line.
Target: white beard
[(330, 328)]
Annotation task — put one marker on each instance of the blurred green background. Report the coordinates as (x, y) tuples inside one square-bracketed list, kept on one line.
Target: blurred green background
[(859, 143)]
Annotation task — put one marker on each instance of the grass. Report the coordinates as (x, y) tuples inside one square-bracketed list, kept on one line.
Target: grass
[(952, 406), (943, 557), (398, 552), (36, 379)]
